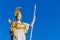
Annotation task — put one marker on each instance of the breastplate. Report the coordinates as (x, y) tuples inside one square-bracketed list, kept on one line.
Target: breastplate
[(18, 26)]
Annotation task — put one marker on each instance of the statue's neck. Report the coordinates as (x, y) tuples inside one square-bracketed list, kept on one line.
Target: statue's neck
[(18, 21)]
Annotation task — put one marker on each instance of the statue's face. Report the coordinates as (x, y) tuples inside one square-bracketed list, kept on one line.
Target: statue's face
[(18, 18)]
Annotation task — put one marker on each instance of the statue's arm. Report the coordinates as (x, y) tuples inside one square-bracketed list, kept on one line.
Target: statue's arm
[(26, 26), (32, 23)]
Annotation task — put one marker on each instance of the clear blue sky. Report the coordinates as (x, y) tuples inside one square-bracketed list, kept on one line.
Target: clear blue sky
[(47, 25)]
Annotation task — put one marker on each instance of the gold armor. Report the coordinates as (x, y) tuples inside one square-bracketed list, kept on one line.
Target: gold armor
[(17, 26)]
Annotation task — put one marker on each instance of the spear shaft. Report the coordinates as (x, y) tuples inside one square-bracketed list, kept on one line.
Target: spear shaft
[(33, 22)]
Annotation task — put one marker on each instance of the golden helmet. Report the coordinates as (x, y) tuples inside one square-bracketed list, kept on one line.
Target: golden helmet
[(17, 11)]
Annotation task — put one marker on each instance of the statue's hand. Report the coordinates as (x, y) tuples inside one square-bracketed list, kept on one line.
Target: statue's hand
[(9, 20)]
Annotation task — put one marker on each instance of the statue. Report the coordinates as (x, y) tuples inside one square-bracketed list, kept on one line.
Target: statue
[(18, 29)]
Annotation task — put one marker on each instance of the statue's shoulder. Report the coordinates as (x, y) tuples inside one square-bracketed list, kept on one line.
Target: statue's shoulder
[(26, 23), (13, 23), (22, 24)]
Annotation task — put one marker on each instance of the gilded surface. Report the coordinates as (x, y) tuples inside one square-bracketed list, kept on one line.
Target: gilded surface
[(17, 26)]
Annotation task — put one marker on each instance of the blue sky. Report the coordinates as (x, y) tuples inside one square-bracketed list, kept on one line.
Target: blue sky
[(47, 25)]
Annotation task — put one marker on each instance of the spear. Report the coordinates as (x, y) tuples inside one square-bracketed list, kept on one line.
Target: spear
[(33, 22)]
